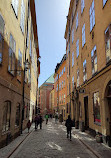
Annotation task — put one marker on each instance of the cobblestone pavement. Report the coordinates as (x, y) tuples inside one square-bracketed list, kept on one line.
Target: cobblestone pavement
[(51, 142)]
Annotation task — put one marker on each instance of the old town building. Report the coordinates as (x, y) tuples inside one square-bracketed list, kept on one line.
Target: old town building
[(51, 101), (19, 66), (60, 90), (88, 48), (45, 90)]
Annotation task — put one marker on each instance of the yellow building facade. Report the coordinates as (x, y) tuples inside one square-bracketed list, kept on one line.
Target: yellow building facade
[(19, 71), (88, 48)]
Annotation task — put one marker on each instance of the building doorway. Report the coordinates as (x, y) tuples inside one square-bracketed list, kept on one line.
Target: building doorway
[(86, 112), (109, 104)]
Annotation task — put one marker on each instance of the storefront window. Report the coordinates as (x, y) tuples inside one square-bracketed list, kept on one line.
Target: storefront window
[(6, 116), (96, 102)]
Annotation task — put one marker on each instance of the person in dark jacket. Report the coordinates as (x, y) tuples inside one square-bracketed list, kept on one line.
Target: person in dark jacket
[(40, 121), (69, 124), (28, 125), (36, 121)]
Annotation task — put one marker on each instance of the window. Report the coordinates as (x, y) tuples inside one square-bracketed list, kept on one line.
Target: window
[(64, 98), (22, 16), (19, 66), (60, 86), (27, 42), (11, 62), (77, 78), (72, 82), (77, 21), (104, 2), (96, 106), (67, 108), (72, 59), (84, 71), (17, 120), (60, 100), (6, 116), (92, 16), (30, 51), (72, 35), (108, 43), (62, 71), (29, 80), (27, 111), (57, 87), (15, 6), (64, 82), (94, 60), (77, 48), (1, 37), (82, 6), (64, 68), (83, 36)]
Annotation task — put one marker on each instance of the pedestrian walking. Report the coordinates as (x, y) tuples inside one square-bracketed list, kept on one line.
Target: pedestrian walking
[(28, 125), (56, 118), (69, 125), (46, 116), (40, 121), (36, 121)]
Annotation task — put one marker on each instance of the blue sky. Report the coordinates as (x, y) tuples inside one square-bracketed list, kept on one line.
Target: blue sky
[(51, 23)]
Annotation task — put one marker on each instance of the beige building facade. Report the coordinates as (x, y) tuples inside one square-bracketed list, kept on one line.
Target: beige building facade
[(19, 53), (88, 48)]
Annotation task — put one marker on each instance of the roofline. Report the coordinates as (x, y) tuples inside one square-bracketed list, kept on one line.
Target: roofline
[(33, 15), (69, 12)]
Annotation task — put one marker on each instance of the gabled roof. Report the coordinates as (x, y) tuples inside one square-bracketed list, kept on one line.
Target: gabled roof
[(50, 79)]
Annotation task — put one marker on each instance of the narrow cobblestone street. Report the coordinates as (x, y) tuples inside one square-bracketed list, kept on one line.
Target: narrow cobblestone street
[(51, 142)]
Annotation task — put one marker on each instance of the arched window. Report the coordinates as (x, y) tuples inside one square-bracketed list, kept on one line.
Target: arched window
[(1, 37), (17, 118), (6, 116)]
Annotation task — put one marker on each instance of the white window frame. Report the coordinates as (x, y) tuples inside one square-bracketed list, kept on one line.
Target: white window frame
[(72, 59), (72, 82), (77, 21), (83, 36), (15, 4), (78, 78), (77, 48), (92, 16), (84, 71), (22, 16), (82, 6), (104, 2), (94, 59)]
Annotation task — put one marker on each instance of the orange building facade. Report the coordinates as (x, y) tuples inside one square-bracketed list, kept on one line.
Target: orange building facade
[(60, 88)]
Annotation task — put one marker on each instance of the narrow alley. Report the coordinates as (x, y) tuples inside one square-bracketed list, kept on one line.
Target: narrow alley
[(51, 142)]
